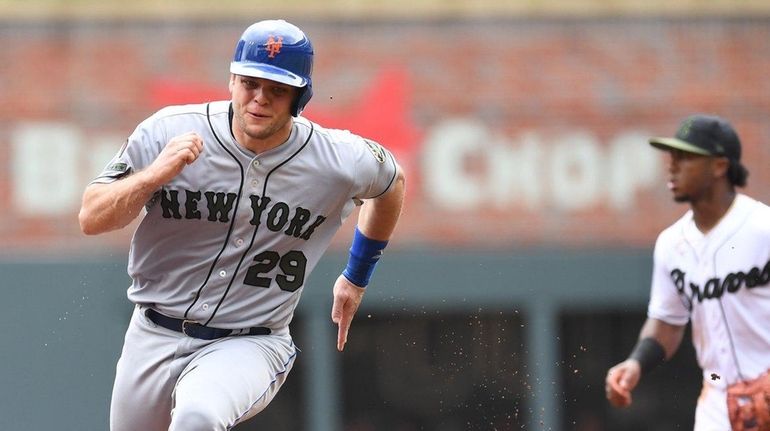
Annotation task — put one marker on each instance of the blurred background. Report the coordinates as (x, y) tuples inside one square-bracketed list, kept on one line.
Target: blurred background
[(520, 270)]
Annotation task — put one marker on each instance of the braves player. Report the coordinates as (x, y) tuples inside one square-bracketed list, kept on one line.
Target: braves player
[(711, 269), (241, 199)]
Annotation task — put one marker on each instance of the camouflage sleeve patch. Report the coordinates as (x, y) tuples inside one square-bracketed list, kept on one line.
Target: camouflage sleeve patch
[(376, 149), (112, 173), (117, 168)]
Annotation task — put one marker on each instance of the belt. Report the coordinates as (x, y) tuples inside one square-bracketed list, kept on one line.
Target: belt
[(196, 330)]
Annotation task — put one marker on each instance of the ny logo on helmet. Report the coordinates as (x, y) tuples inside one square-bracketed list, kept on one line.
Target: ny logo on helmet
[(274, 45)]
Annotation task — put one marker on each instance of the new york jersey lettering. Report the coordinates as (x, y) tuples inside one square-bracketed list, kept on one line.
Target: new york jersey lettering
[(218, 207)]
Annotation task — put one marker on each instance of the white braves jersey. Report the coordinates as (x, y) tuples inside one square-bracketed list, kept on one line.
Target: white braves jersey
[(720, 282), (231, 240)]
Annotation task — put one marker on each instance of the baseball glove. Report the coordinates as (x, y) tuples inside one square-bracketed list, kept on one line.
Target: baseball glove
[(748, 404)]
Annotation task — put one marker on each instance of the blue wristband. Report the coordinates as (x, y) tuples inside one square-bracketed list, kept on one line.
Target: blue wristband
[(364, 255)]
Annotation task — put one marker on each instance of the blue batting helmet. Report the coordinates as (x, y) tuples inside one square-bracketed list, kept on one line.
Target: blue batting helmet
[(278, 51)]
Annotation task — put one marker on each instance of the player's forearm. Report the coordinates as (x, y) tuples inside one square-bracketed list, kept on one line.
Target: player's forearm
[(667, 335), (108, 207), (378, 217), (376, 222)]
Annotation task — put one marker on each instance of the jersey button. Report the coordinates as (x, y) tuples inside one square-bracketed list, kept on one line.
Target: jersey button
[(255, 163), (222, 273), (238, 242), (205, 307), (255, 183)]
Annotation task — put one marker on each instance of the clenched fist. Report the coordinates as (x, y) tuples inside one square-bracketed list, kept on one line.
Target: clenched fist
[(180, 151)]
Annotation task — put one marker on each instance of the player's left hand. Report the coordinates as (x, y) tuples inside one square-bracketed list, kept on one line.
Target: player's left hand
[(620, 381), (347, 298)]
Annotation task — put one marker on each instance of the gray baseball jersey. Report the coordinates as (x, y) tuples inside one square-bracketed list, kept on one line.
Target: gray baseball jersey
[(230, 241)]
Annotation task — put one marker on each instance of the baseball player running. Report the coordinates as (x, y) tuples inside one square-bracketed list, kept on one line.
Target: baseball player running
[(241, 199), (712, 269)]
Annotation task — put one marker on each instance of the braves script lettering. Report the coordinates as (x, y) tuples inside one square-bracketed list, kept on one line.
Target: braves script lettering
[(716, 287)]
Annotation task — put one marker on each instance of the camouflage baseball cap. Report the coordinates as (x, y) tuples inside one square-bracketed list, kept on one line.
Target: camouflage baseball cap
[(707, 135)]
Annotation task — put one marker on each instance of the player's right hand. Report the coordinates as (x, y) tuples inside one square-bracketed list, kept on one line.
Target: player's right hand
[(180, 151), (620, 381)]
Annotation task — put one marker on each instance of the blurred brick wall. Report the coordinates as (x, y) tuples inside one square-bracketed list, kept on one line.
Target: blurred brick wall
[(514, 132)]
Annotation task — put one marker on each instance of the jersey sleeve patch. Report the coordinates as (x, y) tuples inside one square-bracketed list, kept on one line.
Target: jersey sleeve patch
[(116, 169), (119, 167), (377, 151)]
